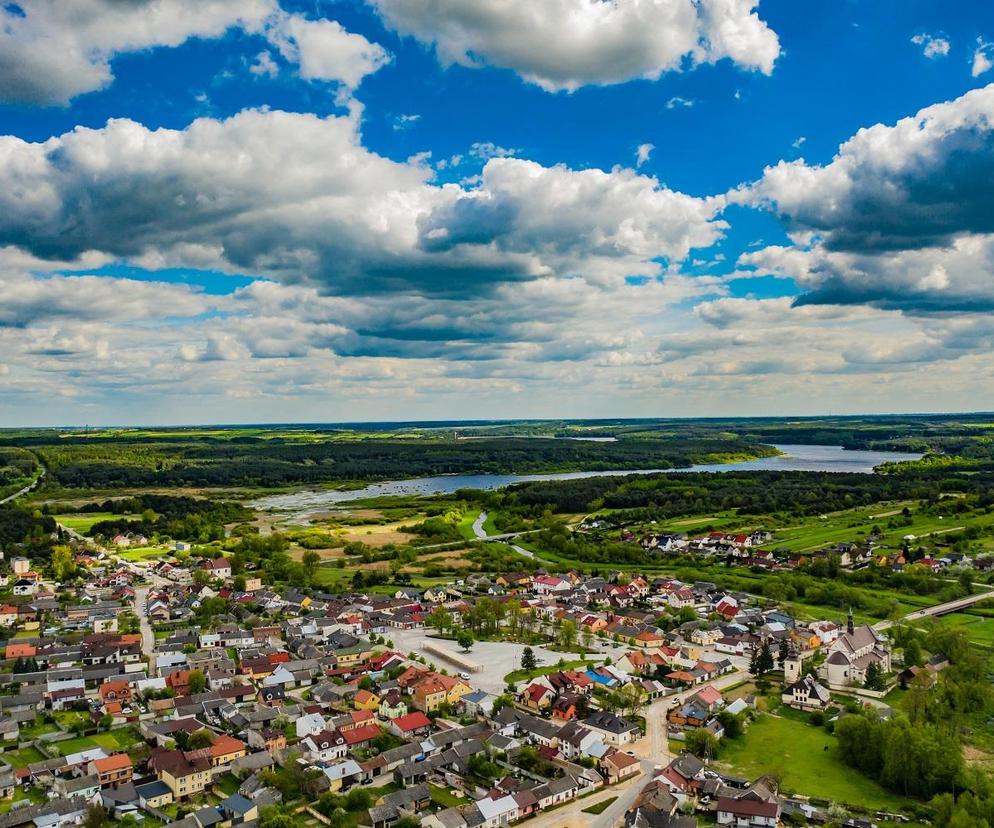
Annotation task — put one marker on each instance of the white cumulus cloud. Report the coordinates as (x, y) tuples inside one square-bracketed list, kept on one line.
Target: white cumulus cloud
[(566, 44), (54, 50)]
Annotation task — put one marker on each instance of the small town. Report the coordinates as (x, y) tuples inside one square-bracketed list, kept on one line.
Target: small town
[(558, 698), (491, 413)]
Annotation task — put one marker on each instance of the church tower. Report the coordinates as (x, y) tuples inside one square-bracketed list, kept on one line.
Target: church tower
[(850, 624), (793, 666)]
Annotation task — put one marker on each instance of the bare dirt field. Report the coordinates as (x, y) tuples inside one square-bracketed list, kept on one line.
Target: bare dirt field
[(375, 534)]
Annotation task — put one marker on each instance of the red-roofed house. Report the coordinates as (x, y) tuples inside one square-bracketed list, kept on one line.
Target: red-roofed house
[(537, 696), (361, 736), (548, 584), (412, 724), (709, 697)]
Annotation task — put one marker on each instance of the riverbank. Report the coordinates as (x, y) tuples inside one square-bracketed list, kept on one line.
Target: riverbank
[(787, 458)]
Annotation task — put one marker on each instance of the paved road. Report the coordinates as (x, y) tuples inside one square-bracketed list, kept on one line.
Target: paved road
[(481, 533), (140, 603), (939, 609), (478, 529), (148, 635), (522, 551), (30, 487), (572, 816), (616, 810)]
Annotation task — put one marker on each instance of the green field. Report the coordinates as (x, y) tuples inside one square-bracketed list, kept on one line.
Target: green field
[(806, 761), (144, 553), (523, 675), (979, 628), (85, 521), (466, 524), (816, 532)]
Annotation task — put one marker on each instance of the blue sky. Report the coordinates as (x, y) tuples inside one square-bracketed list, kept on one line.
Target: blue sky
[(391, 209)]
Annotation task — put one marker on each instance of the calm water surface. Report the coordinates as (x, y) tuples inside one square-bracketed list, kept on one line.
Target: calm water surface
[(794, 458)]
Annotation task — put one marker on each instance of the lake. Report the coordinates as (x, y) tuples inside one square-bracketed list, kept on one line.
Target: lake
[(794, 458)]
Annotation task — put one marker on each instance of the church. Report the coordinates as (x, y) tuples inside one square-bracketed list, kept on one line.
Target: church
[(852, 653)]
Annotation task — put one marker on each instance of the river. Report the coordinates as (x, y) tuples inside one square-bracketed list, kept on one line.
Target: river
[(793, 458)]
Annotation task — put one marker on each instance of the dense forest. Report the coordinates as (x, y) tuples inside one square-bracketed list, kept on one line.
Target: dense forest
[(89, 463), (23, 529), (258, 456), (18, 467), (658, 497), (180, 518)]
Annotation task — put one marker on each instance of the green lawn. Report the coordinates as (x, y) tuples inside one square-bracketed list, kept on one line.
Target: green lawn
[(84, 521), (114, 740), (490, 524), (444, 798), (466, 524), (601, 806), (228, 783), (144, 553), (806, 759), (34, 795), (32, 731), (68, 718), (23, 757)]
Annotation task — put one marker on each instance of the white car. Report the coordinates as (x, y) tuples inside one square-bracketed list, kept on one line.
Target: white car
[(464, 676)]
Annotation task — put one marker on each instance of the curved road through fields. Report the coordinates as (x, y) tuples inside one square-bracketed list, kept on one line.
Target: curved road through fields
[(30, 487)]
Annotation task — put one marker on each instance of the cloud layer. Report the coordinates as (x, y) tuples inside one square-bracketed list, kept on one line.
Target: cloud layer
[(53, 50), (297, 197), (566, 44), (900, 217)]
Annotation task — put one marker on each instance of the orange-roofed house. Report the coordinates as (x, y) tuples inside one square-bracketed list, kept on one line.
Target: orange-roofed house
[(225, 749), (113, 770), (115, 691), (358, 719), (179, 682), (20, 651), (455, 688), (429, 694), (537, 696), (650, 638), (8, 615), (365, 700)]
